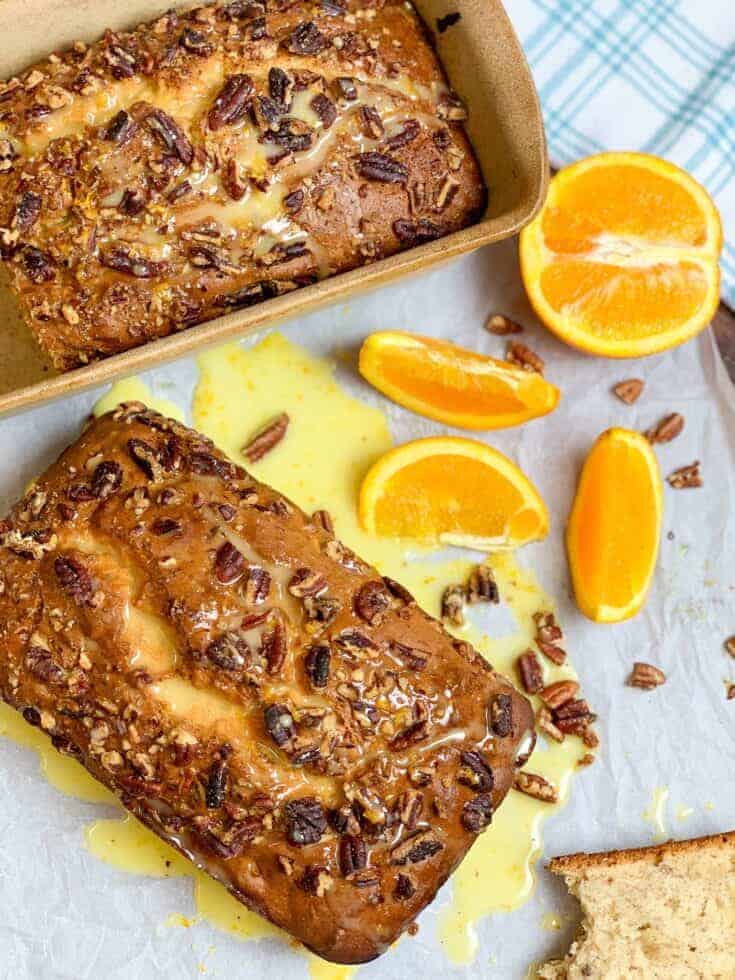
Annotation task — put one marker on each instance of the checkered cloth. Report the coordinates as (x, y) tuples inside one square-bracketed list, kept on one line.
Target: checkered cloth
[(651, 75)]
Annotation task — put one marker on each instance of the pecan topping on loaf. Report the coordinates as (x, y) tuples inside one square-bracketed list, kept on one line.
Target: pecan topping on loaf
[(248, 687), (305, 139)]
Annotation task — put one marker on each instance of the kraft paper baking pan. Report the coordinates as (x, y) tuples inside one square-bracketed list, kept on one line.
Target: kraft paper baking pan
[(485, 65)]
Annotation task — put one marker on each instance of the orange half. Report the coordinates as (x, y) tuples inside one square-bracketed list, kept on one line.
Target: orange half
[(449, 384), (623, 258), (450, 490), (615, 525)]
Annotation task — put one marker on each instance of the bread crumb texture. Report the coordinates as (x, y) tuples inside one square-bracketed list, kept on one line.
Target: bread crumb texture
[(658, 912)]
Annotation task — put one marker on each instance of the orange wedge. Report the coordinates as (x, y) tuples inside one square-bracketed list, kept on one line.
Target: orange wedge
[(614, 528), (622, 260), (452, 385), (450, 490)]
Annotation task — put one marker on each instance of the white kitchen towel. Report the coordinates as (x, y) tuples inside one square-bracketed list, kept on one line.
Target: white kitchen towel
[(651, 75)]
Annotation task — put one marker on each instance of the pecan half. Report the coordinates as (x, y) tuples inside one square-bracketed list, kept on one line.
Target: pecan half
[(536, 786), (232, 102), (170, 134), (228, 651), (275, 646), (195, 42), (686, 477), (37, 265), (530, 671), (475, 772), (325, 109), (629, 391), (306, 582), (323, 519), (317, 663), (228, 563), (306, 820), (266, 439), (477, 813), (382, 168), (352, 854), (667, 429), (557, 694), (281, 86), (122, 259), (646, 676), (121, 128), (416, 848)]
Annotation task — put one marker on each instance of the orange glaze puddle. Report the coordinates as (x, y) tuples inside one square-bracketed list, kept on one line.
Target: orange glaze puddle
[(332, 440)]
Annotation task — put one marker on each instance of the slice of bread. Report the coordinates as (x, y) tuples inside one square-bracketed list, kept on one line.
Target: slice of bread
[(657, 913)]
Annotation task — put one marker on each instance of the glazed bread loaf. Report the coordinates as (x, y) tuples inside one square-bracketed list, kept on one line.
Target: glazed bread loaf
[(218, 157), (658, 913), (252, 691)]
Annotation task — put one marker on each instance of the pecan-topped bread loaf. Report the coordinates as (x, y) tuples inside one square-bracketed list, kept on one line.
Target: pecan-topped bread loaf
[(218, 157), (252, 691)]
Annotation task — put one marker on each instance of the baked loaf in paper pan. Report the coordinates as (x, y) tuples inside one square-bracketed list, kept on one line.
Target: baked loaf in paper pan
[(218, 157)]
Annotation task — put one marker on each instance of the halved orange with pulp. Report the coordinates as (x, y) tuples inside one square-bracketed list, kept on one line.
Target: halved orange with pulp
[(452, 385), (615, 525), (450, 490), (622, 260)]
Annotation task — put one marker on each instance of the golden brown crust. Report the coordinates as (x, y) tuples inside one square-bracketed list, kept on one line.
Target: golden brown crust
[(218, 157), (250, 689), (577, 864)]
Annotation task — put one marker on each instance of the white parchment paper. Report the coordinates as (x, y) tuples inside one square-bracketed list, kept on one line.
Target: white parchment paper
[(65, 914)]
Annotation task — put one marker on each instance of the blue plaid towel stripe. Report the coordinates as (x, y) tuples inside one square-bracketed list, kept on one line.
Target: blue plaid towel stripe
[(650, 75)]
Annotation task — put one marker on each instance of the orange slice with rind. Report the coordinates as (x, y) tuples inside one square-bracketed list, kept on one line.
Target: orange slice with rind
[(615, 526), (451, 491), (622, 260), (453, 385)]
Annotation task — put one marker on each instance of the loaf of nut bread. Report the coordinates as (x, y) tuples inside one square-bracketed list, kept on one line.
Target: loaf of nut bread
[(250, 689), (218, 157)]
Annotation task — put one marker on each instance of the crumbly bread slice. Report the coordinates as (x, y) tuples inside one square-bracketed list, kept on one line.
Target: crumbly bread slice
[(663, 912)]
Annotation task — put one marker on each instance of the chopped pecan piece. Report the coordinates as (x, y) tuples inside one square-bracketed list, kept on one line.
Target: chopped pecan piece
[(325, 109), (267, 438), (501, 715), (353, 641), (27, 211), (306, 820), (629, 391), (345, 88), (322, 609), (501, 325), (121, 128), (398, 591), (481, 586), (371, 123), (646, 676), (451, 108), (405, 888), (257, 586), (306, 38), (730, 645), (477, 813), (74, 579), (323, 519), (371, 602), (523, 357), (403, 137), (545, 721), (306, 582), (686, 477), (316, 880), (106, 479), (529, 668), (232, 102), (37, 265), (195, 42), (453, 600), (536, 786), (294, 201), (667, 429), (415, 732), (228, 651), (122, 259), (280, 86), (217, 780), (475, 772), (279, 723), (381, 167)]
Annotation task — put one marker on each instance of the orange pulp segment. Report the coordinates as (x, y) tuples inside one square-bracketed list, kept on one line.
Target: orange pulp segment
[(623, 258), (615, 525), (450, 490), (449, 384)]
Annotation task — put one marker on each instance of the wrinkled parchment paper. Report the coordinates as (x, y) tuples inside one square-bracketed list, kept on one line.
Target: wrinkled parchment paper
[(67, 915)]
